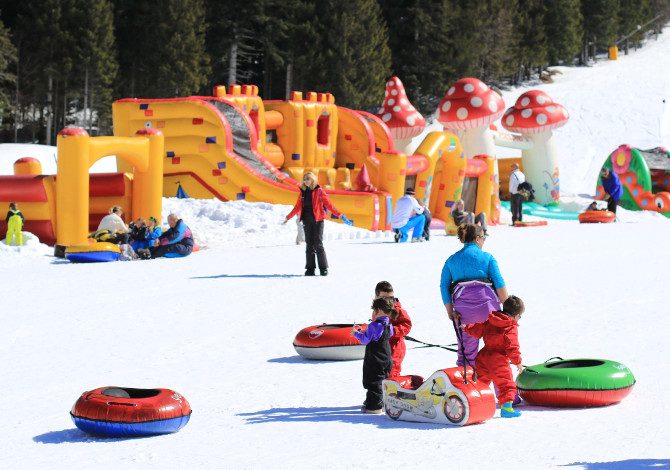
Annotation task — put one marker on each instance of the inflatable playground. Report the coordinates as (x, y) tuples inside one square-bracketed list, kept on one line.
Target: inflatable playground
[(235, 146), (645, 178)]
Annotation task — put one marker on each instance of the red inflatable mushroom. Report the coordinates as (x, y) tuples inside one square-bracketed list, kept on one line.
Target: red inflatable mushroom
[(402, 119), (470, 104), (534, 112), (535, 115), (468, 109)]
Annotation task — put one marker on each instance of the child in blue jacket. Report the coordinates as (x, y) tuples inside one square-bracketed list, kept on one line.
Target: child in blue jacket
[(377, 362)]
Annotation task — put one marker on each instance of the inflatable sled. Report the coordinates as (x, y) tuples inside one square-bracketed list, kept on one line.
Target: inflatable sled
[(596, 217), (445, 398), (575, 383), (532, 223), (329, 343), (130, 412), (93, 253)]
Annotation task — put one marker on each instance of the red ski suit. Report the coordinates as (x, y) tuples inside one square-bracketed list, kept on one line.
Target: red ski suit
[(401, 326), (501, 346), (320, 202)]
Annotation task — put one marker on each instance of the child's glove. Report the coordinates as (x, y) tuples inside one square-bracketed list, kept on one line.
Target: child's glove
[(346, 220)]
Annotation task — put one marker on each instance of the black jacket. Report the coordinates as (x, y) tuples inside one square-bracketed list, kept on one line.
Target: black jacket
[(377, 362)]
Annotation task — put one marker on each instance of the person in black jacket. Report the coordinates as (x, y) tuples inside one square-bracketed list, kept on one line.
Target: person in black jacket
[(377, 362)]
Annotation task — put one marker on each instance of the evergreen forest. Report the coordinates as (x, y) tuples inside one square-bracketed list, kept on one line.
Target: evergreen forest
[(63, 62)]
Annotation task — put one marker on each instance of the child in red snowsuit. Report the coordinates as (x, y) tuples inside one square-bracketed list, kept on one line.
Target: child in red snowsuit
[(402, 324), (501, 347)]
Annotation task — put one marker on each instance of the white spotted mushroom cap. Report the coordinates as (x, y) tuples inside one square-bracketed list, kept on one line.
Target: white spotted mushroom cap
[(469, 104), (403, 120), (534, 112)]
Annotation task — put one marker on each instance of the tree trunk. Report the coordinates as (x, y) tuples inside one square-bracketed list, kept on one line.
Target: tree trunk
[(85, 118), (49, 107), (232, 66), (289, 79), (17, 102)]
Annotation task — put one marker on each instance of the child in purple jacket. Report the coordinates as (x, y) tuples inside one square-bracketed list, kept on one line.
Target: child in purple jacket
[(377, 362)]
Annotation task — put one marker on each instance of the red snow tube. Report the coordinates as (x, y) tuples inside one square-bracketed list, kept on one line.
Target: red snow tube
[(534, 223), (123, 412), (329, 343), (595, 217)]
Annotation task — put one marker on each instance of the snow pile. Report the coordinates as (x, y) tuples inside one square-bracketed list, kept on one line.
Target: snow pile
[(31, 248), (240, 223)]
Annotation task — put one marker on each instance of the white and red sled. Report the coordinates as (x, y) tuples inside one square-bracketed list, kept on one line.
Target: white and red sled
[(446, 397)]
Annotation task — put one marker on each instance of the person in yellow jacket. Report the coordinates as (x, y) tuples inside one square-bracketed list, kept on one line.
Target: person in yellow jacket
[(14, 221)]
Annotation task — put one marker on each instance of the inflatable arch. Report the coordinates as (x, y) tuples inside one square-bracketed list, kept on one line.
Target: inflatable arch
[(645, 177), (77, 152)]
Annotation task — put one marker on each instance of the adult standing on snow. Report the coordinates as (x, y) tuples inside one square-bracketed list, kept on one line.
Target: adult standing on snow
[(312, 204), (516, 203), (472, 287), (612, 187)]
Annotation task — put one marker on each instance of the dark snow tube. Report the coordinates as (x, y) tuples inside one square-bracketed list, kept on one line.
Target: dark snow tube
[(130, 412), (575, 383)]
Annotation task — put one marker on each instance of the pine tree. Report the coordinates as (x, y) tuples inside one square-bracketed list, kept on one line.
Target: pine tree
[(600, 24), (563, 23), (44, 63), (356, 60), (232, 38), (7, 78), (95, 65), (420, 39), (161, 47), (184, 66), (532, 49), (633, 14), (499, 43)]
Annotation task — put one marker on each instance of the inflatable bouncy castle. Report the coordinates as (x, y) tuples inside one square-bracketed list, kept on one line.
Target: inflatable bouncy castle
[(645, 178), (63, 209)]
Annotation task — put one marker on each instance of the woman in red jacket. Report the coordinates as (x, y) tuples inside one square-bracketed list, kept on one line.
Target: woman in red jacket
[(402, 324), (311, 205), (501, 347)]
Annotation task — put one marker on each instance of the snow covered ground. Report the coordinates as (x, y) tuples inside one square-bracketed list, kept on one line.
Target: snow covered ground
[(218, 326)]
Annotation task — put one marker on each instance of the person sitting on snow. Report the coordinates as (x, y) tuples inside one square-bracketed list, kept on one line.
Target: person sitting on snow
[(594, 207), (408, 215), (177, 241), (461, 216), (115, 225), (501, 347), (14, 221)]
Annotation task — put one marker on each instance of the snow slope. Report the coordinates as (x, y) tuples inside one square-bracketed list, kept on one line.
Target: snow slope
[(218, 326)]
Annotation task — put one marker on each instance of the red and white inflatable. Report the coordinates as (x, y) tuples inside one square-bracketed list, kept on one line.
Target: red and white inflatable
[(329, 342), (445, 398)]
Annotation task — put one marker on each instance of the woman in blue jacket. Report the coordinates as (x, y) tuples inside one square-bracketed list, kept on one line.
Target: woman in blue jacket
[(612, 187), (467, 285)]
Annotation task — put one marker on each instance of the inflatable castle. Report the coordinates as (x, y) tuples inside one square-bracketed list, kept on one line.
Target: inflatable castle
[(234, 145)]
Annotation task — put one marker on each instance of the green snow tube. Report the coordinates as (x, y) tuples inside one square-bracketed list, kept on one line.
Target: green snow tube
[(575, 383)]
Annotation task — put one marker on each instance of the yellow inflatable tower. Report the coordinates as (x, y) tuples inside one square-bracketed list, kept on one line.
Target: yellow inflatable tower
[(77, 152)]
